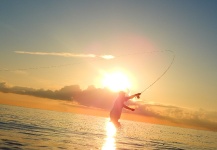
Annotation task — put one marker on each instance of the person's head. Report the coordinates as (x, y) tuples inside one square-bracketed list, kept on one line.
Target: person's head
[(122, 93)]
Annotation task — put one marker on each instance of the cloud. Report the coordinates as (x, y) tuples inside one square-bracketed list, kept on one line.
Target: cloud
[(64, 54), (20, 72), (195, 118), (107, 56), (104, 98), (93, 97)]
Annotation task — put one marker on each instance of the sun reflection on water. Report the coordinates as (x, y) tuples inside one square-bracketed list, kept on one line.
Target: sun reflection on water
[(110, 139)]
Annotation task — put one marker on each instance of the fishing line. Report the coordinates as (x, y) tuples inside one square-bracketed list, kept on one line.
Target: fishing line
[(46, 67), (41, 67), (53, 66), (69, 64), (119, 56)]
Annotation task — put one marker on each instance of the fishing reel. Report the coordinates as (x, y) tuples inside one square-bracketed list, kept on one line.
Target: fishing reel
[(138, 95)]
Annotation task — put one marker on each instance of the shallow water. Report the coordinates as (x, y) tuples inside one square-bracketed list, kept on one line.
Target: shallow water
[(26, 128)]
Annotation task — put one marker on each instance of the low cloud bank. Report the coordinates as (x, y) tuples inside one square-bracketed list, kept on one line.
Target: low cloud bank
[(196, 118), (104, 98), (92, 97)]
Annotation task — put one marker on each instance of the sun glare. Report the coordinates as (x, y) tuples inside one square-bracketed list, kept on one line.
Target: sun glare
[(110, 139), (116, 81)]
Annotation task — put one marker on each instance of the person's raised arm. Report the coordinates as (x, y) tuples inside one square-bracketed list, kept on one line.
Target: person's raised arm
[(135, 95), (128, 108)]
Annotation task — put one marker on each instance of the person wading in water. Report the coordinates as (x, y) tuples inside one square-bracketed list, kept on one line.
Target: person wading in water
[(116, 111)]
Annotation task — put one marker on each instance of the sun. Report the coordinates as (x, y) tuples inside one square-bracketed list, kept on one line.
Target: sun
[(116, 81)]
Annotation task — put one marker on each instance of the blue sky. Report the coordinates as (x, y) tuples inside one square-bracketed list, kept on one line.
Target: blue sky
[(114, 27)]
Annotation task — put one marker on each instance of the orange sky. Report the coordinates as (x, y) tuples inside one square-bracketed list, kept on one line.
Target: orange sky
[(63, 44)]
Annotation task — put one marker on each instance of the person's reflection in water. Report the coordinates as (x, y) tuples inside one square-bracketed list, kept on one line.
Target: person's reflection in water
[(110, 139)]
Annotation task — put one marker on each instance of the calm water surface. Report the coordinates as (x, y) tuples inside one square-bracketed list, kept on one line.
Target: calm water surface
[(26, 128)]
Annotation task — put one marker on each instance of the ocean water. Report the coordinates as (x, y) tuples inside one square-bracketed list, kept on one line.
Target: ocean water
[(26, 128)]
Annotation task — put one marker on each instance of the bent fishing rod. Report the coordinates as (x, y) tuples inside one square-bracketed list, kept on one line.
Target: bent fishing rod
[(171, 63)]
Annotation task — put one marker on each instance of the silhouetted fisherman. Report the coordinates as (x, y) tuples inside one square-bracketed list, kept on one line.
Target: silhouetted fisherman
[(116, 111)]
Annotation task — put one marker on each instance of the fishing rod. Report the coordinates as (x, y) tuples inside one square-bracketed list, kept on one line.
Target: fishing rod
[(171, 63)]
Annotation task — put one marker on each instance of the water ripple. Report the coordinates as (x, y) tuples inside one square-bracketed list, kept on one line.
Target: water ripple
[(24, 128)]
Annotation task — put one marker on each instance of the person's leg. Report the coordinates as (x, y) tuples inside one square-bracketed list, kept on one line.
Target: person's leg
[(115, 122), (114, 119), (118, 124)]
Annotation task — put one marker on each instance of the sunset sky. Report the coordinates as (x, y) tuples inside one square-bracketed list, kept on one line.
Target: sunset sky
[(53, 44)]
